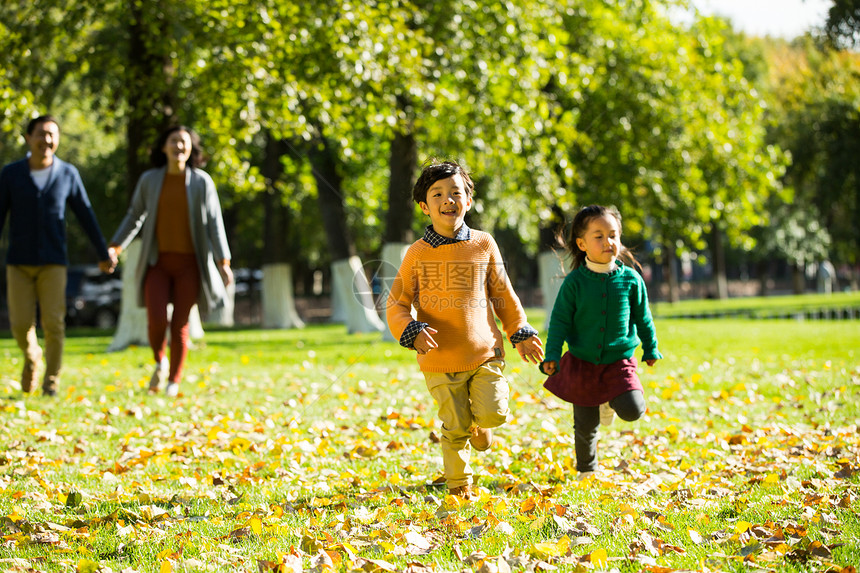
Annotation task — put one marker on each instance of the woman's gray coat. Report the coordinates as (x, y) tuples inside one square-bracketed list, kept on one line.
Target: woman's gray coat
[(207, 231)]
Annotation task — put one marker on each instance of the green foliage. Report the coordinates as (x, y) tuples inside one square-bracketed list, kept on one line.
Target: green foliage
[(815, 94), (548, 103)]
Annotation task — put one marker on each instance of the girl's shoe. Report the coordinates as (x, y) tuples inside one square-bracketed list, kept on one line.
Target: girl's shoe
[(607, 414), (172, 389)]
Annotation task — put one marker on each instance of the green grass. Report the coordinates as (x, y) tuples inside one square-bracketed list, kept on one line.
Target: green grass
[(762, 307), (313, 445)]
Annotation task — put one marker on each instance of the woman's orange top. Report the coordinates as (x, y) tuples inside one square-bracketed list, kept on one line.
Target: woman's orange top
[(172, 226)]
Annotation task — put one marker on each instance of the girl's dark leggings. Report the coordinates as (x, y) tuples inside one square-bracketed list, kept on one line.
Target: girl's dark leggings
[(629, 406)]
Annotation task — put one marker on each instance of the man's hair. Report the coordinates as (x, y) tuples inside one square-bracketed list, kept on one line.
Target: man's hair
[(31, 125), (158, 157), (436, 171)]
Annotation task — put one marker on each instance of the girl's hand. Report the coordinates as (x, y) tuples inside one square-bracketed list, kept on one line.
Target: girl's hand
[(651, 362), (549, 367), (424, 342), (530, 349)]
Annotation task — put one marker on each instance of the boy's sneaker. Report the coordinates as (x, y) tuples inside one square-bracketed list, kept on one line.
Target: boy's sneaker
[(464, 491), (482, 438), (172, 390), (159, 376), (607, 414)]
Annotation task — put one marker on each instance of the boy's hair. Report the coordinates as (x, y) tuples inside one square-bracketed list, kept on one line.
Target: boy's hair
[(436, 171), (580, 226), (31, 125), (159, 159)]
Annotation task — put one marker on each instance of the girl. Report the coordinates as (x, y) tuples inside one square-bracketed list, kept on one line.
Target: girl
[(602, 313)]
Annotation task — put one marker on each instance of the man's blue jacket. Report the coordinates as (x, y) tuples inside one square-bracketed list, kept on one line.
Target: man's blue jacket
[(37, 225)]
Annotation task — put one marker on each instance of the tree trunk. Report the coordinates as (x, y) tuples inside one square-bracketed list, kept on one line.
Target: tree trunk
[(718, 258), (225, 316), (403, 163), (149, 81), (674, 294), (351, 290), (763, 269), (330, 197), (149, 77), (279, 307), (279, 303), (798, 278), (350, 284), (131, 325), (392, 256), (551, 269)]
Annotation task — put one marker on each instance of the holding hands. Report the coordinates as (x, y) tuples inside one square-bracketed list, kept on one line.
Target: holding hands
[(530, 349), (109, 265)]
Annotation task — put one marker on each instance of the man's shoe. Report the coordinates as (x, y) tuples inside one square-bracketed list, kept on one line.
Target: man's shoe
[(49, 385), (28, 373), (159, 376), (607, 414), (464, 491), (482, 438)]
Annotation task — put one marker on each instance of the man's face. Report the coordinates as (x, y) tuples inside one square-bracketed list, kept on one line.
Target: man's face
[(43, 141)]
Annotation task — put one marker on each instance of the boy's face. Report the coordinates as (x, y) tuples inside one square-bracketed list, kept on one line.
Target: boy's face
[(447, 204)]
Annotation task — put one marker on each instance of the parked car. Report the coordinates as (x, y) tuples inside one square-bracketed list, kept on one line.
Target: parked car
[(93, 298)]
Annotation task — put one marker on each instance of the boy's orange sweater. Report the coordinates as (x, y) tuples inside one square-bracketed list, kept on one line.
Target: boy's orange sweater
[(456, 289)]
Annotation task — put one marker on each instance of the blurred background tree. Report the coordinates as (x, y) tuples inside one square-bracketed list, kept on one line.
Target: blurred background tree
[(715, 146)]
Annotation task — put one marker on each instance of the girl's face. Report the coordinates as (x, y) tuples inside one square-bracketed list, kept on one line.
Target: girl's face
[(601, 240), (177, 148)]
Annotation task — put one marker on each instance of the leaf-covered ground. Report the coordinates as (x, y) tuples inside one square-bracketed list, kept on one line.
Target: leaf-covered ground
[(315, 450)]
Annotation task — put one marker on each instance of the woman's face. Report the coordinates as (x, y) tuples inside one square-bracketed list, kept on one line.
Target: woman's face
[(177, 148)]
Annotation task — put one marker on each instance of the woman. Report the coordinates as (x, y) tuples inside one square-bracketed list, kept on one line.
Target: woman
[(184, 257)]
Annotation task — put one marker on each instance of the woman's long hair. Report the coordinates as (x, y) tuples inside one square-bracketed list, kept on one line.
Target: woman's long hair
[(158, 157)]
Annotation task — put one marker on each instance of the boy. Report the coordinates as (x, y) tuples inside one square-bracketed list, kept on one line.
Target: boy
[(455, 278)]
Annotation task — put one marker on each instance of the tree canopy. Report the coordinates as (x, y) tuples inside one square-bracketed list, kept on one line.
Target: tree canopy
[(550, 104)]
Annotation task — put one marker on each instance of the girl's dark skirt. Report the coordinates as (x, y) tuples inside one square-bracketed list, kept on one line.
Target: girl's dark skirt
[(587, 384)]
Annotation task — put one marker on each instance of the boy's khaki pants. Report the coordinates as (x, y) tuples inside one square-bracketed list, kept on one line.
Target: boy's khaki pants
[(46, 284), (478, 397)]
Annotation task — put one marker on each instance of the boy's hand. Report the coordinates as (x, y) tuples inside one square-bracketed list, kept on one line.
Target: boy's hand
[(531, 350), (549, 367), (424, 342)]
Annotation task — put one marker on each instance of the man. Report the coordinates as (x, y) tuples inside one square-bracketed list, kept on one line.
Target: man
[(35, 192)]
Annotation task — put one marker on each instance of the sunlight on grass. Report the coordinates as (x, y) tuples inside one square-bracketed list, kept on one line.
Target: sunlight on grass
[(314, 449)]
